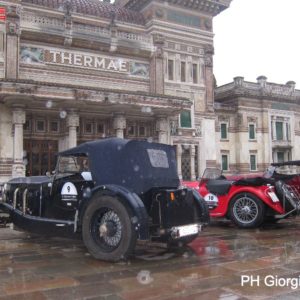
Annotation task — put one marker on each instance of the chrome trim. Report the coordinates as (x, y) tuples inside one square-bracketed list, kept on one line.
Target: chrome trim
[(15, 198), (75, 220), (24, 201)]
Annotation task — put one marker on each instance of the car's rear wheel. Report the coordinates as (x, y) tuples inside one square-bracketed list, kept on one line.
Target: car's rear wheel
[(107, 230), (247, 211)]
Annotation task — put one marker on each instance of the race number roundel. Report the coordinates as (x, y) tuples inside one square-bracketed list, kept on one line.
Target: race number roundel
[(210, 198), (69, 191)]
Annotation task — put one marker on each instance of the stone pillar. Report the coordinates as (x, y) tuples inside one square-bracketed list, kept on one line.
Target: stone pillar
[(209, 77), (119, 124), (192, 161), (162, 128), (12, 42), (274, 129), (178, 158), (157, 66), (284, 129), (208, 145), (18, 118), (72, 124)]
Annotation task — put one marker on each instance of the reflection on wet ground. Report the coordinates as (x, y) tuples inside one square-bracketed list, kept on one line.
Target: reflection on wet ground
[(212, 267)]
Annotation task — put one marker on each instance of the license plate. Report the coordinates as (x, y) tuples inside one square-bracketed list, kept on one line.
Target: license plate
[(188, 230), (273, 197)]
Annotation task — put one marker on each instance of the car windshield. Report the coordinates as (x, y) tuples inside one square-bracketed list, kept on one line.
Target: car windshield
[(72, 164), (212, 173)]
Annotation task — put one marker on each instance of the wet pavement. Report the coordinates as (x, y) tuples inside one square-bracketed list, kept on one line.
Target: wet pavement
[(217, 265)]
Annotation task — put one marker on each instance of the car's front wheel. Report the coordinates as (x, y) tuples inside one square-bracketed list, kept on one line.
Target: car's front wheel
[(247, 211), (107, 229)]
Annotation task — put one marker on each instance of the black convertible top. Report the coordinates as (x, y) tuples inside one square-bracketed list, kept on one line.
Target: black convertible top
[(287, 163), (136, 165)]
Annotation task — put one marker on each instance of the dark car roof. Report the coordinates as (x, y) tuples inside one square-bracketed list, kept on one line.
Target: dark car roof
[(127, 163), (287, 163)]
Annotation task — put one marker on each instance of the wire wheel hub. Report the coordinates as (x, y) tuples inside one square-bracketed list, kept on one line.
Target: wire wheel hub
[(245, 210), (110, 228)]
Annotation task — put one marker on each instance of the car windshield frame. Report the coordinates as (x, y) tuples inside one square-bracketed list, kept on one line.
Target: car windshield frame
[(78, 163)]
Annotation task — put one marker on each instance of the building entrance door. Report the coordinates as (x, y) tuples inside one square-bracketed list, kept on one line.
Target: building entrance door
[(39, 156)]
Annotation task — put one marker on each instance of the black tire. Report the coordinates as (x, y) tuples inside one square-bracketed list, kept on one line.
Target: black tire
[(247, 211), (118, 237)]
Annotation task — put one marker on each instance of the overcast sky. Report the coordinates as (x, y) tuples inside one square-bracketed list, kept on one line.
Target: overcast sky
[(258, 37)]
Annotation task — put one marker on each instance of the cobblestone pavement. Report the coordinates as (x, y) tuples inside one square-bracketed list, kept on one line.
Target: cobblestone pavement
[(34, 267)]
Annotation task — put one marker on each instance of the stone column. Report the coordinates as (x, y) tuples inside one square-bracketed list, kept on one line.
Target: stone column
[(119, 124), (18, 118), (12, 41), (192, 161), (162, 128), (209, 77), (178, 158), (274, 129), (72, 124), (157, 66), (284, 129)]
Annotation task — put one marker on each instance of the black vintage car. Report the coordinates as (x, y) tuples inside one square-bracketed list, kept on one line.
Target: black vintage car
[(112, 192)]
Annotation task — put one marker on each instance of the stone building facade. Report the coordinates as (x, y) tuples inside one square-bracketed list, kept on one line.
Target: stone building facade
[(256, 124), (73, 71)]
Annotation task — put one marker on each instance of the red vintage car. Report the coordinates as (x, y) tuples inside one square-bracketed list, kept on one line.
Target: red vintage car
[(251, 201)]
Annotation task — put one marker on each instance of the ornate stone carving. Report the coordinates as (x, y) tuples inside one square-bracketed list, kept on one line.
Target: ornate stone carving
[(208, 52), (223, 118), (68, 8), (81, 94), (208, 61), (19, 116), (18, 170), (209, 49), (26, 89), (73, 120), (162, 124), (13, 28), (252, 119), (13, 11), (173, 127), (158, 41), (119, 122), (159, 13), (198, 131)]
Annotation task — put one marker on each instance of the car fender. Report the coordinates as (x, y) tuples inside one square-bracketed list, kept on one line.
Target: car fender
[(260, 192), (204, 213), (140, 215)]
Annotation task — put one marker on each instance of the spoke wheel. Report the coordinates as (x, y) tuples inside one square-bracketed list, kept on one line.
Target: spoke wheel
[(247, 211), (107, 230)]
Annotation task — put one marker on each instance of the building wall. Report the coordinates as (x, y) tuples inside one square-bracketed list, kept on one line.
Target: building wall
[(70, 77), (273, 109)]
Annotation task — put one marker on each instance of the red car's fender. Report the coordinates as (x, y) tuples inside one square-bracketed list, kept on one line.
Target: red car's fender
[(225, 200)]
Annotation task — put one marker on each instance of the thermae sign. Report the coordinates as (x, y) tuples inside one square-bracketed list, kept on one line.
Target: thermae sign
[(32, 55), (89, 61)]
